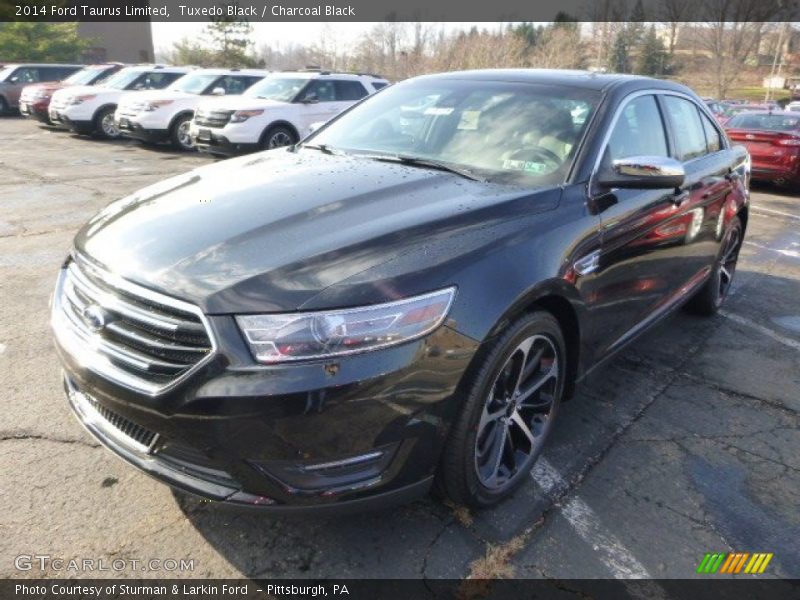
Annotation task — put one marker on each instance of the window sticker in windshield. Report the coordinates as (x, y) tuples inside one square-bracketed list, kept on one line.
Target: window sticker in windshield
[(438, 111), (536, 168), (469, 119)]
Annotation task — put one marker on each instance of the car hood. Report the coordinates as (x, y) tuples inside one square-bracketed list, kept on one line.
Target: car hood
[(147, 95), (46, 86), (95, 90), (270, 231), (239, 103)]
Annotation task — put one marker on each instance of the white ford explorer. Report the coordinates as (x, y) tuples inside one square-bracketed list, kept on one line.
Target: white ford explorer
[(277, 111), (164, 115), (90, 109)]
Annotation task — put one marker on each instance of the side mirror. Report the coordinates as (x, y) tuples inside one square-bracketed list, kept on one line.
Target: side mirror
[(14, 79), (643, 172), (314, 126), (218, 91), (310, 99)]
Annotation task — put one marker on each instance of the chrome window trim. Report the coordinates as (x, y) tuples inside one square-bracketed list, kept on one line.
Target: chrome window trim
[(650, 92), (75, 344)]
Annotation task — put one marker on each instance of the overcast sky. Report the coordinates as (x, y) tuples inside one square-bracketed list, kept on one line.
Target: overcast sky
[(282, 34)]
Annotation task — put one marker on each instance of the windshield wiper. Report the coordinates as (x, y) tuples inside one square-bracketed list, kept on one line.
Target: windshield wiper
[(324, 148), (428, 163)]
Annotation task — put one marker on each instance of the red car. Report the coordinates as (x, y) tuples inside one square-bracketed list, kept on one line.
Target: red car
[(773, 140), (35, 99)]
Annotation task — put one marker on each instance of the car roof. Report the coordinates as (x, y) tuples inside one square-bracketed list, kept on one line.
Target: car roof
[(6, 65), (217, 71), (164, 68), (314, 74), (574, 78)]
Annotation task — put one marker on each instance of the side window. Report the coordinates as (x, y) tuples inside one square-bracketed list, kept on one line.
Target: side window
[(323, 89), (25, 75), (235, 84), (639, 131), (155, 81), (349, 90), (690, 137), (713, 140)]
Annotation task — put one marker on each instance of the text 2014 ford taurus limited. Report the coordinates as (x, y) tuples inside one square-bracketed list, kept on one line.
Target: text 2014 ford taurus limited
[(403, 299)]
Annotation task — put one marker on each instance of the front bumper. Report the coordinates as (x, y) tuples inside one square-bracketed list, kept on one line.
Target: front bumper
[(216, 143), (131, 129), (366, 430), (36, 110)]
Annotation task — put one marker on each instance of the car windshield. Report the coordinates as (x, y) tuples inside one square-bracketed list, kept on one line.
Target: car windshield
[(769, 122), (122, 79), (4, 73), (196, 83), (521, 133), (281, 89), (83, 77)]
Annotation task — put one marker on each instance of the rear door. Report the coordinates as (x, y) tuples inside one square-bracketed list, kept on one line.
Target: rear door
[(698, 144), (637, 270)]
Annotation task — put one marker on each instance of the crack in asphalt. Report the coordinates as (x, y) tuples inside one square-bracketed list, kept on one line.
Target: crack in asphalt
[(23, 436)]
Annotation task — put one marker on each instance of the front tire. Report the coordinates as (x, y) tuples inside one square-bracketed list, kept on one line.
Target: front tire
[(104, 125), (278, 137), (179, 134), (509, 411), (709, 298)]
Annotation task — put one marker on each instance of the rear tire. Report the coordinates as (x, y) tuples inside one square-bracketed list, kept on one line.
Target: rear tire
[(278, 137), (104, 125), (709, 298), (511, 403), (179, 134)]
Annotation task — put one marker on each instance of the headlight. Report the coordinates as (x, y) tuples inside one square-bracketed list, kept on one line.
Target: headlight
[(78, 99), (304, 336), (155, 105), (240, 116)]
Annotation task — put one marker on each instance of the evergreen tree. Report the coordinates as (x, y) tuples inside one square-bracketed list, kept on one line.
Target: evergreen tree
[(620, 59), (44, 42), (653, 55), (230, 41)]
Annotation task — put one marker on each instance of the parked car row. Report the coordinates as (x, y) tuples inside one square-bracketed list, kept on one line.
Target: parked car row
[(770, 133), (218, 111)]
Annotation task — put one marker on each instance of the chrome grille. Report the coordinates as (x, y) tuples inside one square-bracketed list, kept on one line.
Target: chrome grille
[(130, 334), (213, 118)]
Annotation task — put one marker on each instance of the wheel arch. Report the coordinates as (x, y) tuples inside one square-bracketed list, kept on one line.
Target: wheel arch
[(278, 123), (178, 115), (563, 302), (101, 108)]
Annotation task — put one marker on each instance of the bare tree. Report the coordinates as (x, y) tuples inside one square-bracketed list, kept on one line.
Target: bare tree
[(673, 13), (558, 48)]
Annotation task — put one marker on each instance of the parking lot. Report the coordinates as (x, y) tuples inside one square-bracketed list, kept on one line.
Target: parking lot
[(687, 443)]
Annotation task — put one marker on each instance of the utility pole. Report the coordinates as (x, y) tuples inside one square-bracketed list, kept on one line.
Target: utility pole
[(777, 61)]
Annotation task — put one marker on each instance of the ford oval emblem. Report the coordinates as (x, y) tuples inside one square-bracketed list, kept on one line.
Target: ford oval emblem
[(95, 317)]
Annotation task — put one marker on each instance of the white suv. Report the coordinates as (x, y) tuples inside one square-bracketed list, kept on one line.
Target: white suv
[(277, 111), (164, 115), (90, 109)]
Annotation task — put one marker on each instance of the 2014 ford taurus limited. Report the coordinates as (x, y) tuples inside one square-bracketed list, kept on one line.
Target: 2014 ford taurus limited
[(403, 298)]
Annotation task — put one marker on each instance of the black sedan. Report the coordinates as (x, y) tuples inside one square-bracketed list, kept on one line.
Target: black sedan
[(403, 299)]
